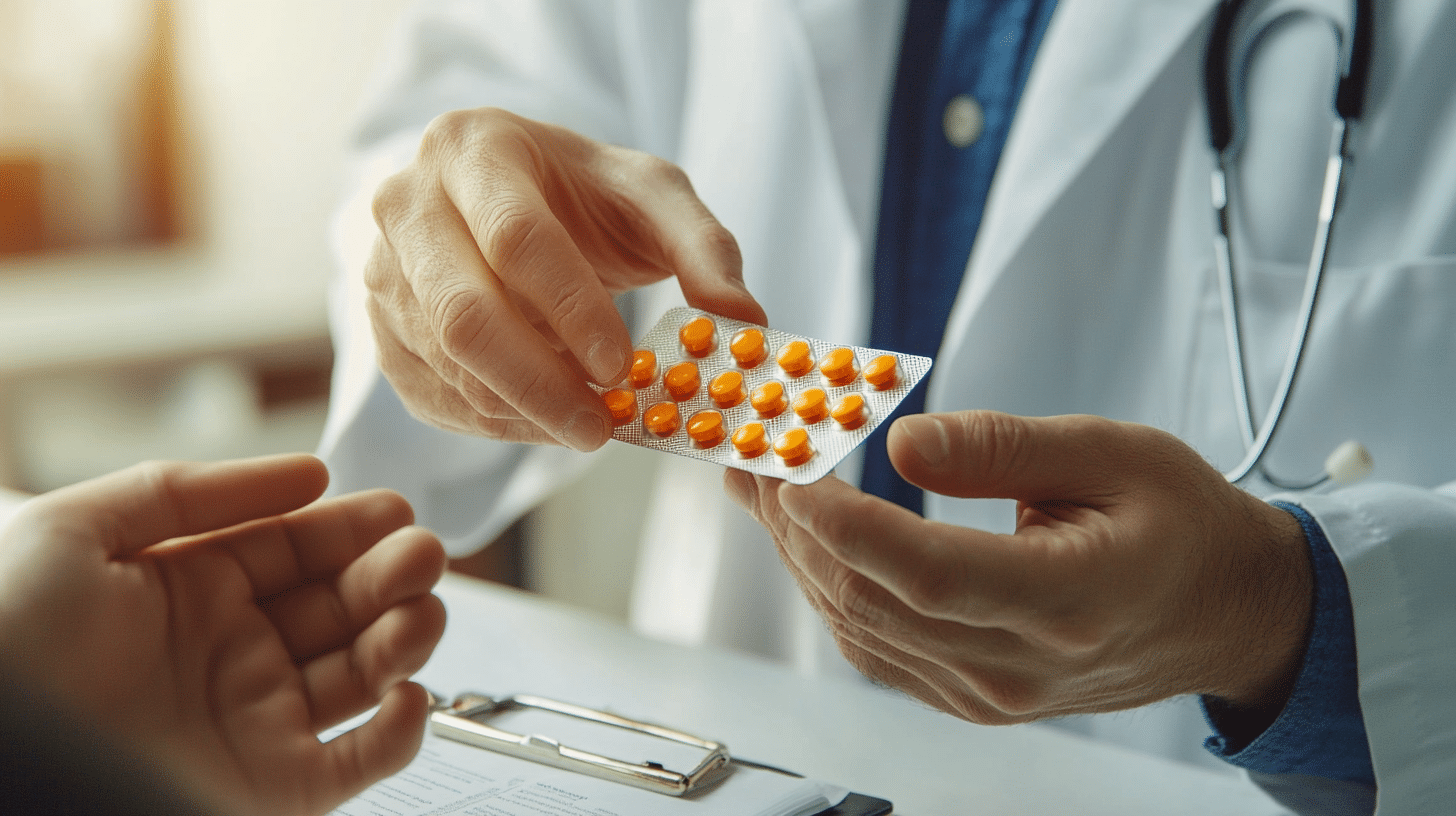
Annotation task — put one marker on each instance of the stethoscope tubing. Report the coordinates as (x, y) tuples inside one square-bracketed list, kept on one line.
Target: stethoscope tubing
[(1223, 139)]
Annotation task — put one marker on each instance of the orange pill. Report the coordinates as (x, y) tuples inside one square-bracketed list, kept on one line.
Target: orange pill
[(621, 404), (794, 358), (882, 372), (812, 405), (748, 348), (706, 428), (662, 419), (769, 400), (750, 440), (838, 367), (644, 368), (793, 447), (682, 381), (726, 389), (849, 412), (697, 336)]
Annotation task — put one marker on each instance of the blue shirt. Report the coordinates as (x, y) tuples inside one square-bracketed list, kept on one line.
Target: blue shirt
[(933, 195)]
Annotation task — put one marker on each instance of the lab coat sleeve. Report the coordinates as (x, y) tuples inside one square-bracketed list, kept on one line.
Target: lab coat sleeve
[(1398, 548), (555, 61)]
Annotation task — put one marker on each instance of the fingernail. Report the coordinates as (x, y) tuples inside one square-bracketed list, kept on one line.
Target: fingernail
[(585, 432), (927, 436), (606, 361)]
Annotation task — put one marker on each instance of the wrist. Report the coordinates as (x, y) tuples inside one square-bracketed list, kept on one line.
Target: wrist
[(1272, 607)]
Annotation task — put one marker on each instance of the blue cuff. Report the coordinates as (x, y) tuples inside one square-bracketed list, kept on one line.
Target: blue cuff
[(1320, 732)]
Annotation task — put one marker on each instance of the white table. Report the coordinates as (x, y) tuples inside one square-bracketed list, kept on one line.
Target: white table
[(501, 641)]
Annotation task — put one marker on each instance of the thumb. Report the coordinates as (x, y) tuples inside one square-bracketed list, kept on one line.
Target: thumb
[(985, 454)]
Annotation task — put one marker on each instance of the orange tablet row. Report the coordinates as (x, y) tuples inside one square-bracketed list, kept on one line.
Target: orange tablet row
[(811, 406), (749, 349)]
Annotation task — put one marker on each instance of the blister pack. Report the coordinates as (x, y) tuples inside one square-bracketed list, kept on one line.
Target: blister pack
[(754, 398)]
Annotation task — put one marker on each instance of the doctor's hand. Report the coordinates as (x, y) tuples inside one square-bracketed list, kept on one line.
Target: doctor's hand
[(213, 619), (502, 245), (1136, 572)]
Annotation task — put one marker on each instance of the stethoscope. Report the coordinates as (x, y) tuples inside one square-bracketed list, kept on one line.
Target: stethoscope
[(1350, 461)]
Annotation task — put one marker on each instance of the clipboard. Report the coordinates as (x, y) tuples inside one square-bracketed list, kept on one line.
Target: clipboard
[(678, 763)]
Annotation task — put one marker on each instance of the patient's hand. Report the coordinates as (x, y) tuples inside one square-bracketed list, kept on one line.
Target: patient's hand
[(213, 618)]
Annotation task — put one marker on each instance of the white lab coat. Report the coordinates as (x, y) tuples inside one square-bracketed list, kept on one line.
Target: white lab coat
[(1090, 287)]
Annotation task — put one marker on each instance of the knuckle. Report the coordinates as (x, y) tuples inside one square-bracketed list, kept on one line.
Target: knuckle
[(485, 401), (382, 270), (1001, 438), (535, 395), (657, 171), (393, 197), (932, 591), (1084, 634), (570, 304), (160, 476), (926, 593), (1009, 699), (506, 232), (504, 430), (474, 135), (460, 315), (719, 242), (856, 599), (452, 132)]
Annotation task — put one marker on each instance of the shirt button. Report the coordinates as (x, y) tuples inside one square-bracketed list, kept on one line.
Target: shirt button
[(963, 121)]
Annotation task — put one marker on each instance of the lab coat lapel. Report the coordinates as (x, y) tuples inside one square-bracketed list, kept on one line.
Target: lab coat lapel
[(756, 95), (1096, 60)]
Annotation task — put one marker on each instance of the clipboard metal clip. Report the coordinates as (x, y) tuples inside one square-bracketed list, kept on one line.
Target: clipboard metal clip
[(463, 719)]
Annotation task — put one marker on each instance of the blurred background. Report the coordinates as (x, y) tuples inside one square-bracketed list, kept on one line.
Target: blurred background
[(168, 171)]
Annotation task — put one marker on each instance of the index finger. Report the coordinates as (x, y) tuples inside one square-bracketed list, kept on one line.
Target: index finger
[(696, 248), (473, 319), (938, 570), (146, 504), (315, 542)]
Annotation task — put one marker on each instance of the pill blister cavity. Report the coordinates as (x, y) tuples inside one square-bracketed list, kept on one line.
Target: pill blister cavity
[(644, 369), (751, 440), (621, 405), (769, 399), (697, 336), (795, 358), (726, 389), (849, 412), (682, 381), (749, 348), (838, 367), (706, 428), (812, 405), (662, 419), (793, 447), (882, 373)]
